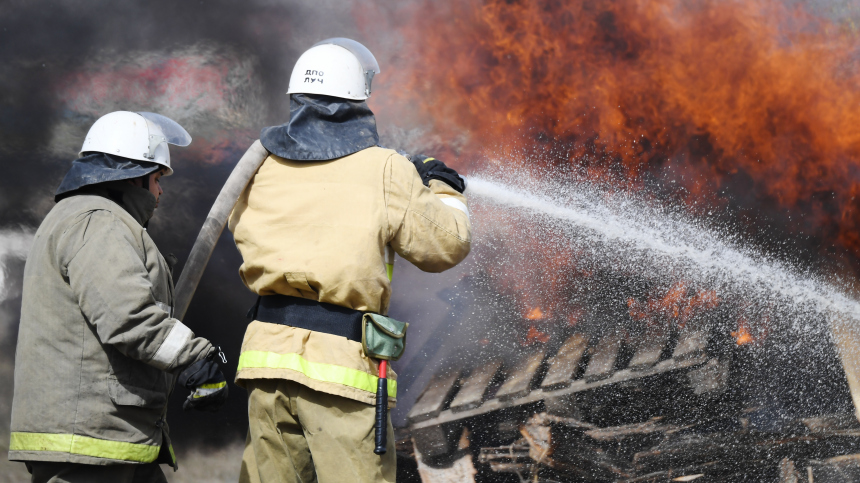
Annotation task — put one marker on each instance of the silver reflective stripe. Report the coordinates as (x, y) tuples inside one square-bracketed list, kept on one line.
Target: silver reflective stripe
[(205, 392), (165, 307), (455, 203), (177, 338)]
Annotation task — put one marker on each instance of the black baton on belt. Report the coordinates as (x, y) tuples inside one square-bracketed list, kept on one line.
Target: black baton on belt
[(381, 408)]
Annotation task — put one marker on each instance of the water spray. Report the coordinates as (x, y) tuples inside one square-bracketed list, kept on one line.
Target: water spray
[(646, 238)]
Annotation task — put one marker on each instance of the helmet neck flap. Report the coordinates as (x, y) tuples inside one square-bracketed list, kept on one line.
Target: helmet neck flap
[(97, 168), (322, 128)]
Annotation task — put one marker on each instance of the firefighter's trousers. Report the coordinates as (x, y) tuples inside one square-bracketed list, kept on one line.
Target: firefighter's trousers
[(299, 435), (46, 472)]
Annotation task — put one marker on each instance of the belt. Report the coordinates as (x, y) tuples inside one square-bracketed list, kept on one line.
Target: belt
[(308, 314)]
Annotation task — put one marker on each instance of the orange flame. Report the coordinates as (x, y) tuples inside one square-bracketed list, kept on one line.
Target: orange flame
[(759, 97), (574, 315), (535, 314), (753, 102), (676, 305), (534, 335), (742, 335)]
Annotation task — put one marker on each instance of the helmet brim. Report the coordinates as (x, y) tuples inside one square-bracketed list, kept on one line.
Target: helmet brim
[(172, 131), (363, 54)]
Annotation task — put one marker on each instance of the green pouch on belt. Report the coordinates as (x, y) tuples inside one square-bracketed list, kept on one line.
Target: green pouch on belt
[(383, 337)]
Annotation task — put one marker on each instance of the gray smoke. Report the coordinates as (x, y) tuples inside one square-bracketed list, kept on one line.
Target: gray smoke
[(14, 245), (220, 69)]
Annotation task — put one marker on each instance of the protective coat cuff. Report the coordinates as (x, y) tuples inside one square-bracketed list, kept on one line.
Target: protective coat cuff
[(178, 337), (457, 204)]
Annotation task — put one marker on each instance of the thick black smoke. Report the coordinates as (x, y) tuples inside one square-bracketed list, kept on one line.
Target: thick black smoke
[(219, 68)]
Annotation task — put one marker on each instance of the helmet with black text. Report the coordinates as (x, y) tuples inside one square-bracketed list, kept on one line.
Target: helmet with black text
[(336, 67)]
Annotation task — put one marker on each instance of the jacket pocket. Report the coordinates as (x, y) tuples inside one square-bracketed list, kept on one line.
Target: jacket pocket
[(126, 395)]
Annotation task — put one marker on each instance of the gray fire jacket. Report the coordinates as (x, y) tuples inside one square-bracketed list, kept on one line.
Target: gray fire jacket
[(97, 344)]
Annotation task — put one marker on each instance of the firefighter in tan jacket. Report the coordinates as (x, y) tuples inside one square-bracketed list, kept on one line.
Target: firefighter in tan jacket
[(317, 228)]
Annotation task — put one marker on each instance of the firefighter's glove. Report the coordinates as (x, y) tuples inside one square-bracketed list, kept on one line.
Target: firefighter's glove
[(206, 382), (431, 168)]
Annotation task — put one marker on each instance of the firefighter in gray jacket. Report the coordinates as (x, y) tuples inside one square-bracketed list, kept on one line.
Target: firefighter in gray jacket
[(98, 349)]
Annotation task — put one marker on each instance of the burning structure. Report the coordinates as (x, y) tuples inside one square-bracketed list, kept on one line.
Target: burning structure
[(683, 397), (731, 374), (611, 340)]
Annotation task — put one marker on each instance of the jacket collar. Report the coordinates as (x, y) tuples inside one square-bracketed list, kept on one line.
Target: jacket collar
[(136, 201)]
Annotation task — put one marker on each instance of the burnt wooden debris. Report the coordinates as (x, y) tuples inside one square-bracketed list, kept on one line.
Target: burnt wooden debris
[(649, 347), (429, 405), (474, 386), (564, 365), (621, 408), (519, 381), (602, 363)]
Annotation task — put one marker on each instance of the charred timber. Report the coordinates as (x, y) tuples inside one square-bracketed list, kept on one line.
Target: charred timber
[(657, 406)]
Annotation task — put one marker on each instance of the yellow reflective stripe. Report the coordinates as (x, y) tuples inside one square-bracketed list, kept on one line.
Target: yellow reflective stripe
[(209, 389), (315, 370), (83, 445), (214, 385), (172, 455), (389, 262), (429, 159)]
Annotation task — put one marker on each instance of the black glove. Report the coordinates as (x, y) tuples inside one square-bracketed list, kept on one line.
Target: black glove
[(431, 168), (206, 382)]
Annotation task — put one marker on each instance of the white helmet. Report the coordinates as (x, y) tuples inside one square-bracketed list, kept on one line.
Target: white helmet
[(335, 67), (142, 136)]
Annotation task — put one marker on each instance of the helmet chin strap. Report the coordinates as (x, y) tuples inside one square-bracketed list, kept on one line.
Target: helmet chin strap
[(145, 185)]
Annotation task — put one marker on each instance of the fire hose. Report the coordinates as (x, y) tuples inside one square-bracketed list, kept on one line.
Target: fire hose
[(214, 225), (205, 244)]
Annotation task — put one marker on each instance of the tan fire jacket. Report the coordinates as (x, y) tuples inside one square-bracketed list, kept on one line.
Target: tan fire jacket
[(96, 341), (319, 230)]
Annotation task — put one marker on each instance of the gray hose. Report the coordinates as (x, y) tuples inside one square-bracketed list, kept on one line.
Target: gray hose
[(214, 225)]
